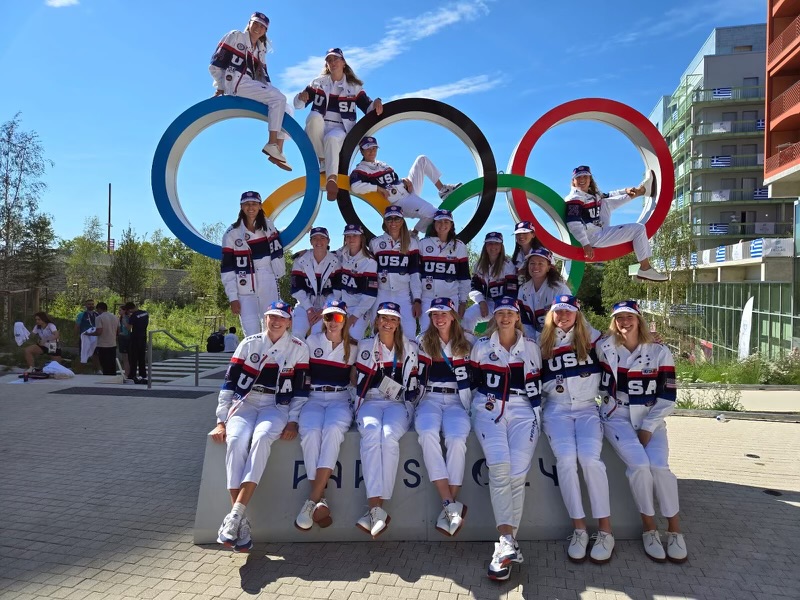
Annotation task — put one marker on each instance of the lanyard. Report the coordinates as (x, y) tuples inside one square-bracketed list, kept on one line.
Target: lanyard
[(444, 357), (394, 361)]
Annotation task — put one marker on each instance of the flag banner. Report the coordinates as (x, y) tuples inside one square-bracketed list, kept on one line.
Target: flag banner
[(737, 251), (761, 193), (717, 228), (760, 126), (722, 93), (757, 248), (764, 228), (720, 255), (720, 161)]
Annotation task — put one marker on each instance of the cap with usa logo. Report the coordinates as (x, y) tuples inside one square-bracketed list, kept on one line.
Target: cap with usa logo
[(392, 211), (570, 303), (368, 142), (443, 215), (626, 306), (318, 231), (279, 308), (493, 237), (261, 18), (506, 303), (353, 229), (543, 252), (335, 306), (523, 227), (250, 197), (335, 52), (581, 170), (390, 309), (441, 305)]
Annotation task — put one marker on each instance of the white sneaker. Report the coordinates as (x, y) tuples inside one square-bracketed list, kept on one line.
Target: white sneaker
[(364, 523), (380, 520), (653, 546), (229, 530), (650, 274), (497, 570), (519, 559), (322, 514), (448, 189), (508, 553), (304, 520), (577, 545), (603, 548), (650, 184), (443, 523), (676, 547), (273, 151), (455, 515), (331, 190), (244, 543), (322, 165)]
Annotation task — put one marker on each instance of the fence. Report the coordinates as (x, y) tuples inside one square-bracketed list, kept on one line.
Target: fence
[(19, 305)]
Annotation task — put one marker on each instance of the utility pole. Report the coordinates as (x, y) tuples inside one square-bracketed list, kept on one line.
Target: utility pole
[(108, 242)]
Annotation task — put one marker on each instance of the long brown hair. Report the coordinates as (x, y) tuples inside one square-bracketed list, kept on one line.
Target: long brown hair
[(593, 187), (430, 341), (399, 349), (645, 337), (346, 339), (483, 262), (43, 316), (364, 247), (405, 236), (581, 341), (261, 220), (349, 75), (553, 274)]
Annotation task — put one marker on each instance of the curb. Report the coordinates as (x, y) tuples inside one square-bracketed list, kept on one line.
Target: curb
[(775, 417), (738, 386)]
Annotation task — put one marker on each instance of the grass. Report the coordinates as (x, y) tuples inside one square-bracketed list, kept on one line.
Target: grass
[(722, 398), (784, 370)]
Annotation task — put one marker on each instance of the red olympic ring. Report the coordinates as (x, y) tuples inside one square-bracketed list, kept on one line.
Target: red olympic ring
[(637, 128)]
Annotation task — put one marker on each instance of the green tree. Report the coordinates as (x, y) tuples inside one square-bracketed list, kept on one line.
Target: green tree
[(128, 273), (36, 258), (203, 279), (618, 285), (589, 291), (169, 252), (84, 266)]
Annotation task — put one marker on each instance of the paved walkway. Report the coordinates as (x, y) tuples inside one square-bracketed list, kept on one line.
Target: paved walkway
[(98, 495)]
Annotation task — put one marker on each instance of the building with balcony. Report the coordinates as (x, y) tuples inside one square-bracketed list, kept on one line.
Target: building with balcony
[(714, 124)]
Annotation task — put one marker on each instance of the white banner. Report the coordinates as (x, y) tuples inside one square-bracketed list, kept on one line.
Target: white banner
[(737, 252), (762, 228), (745, 328), (705, 257), (721, 127), (720, 195), (779, 247)]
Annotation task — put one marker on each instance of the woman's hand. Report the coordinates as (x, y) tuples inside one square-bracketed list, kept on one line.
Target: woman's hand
[(352, 320), (408, 185), (416, 309), (378, 106), (588, 251), (484, 309), (236, 307), (644, 436), (314, 315), (218, 433), (219, 93), (290, 431), (303, 97), (461, 308), (384, 192)]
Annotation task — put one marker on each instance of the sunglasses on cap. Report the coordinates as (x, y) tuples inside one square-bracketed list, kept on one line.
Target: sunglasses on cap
[(335, 317)]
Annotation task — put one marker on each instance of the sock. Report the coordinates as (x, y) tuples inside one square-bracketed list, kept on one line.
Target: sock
[(446, 503), (509, 538), (238, 510)]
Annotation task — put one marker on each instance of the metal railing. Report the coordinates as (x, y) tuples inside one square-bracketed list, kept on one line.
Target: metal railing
[(716, 196), (760, 228), (785, 156), (729, 127), (783, 40), (723, 94), (735, 161), (785, 101), (182, 345)]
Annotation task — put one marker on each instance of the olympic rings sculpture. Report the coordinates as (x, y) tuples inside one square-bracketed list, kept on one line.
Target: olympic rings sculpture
[(520, 190)]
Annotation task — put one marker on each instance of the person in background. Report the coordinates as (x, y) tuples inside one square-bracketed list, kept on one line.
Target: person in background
[(83, 322), (138, 320), (106, 328), (123, 338), (47, 343), (216, 341), (231, 340)]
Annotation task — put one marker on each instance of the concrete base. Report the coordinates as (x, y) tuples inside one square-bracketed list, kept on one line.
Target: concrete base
[(415, 504)]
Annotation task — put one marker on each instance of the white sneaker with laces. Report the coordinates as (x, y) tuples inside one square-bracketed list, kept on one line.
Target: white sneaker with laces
[(456, 512), (304, 520), (364, 523), (508, 553), (447, 189), (577, 545), (244, 543), (603, 548), (676, 547), (380, 520), (443, 523), (650, 274), (229, 530), (497, 570), (322, 514), (273, 151), (653, 546), (649, 184)]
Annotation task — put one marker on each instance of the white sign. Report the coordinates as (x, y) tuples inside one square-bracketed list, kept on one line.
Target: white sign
[(778, 247), (737, 252), (745, 327)]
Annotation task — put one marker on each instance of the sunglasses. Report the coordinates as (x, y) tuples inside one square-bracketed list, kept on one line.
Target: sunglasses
[(335, 317)]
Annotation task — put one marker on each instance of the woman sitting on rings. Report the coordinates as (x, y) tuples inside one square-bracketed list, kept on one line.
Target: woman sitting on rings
[(313, 276), (326, 416), (493, 277), (259, 402), (542, 284), (506, 415), (638, 392), (385, 380), (47, 343), (444, 403), (356, 282), (570, 386)]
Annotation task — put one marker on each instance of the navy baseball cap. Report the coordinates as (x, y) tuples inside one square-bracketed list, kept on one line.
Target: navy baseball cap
[(335, 52), (260, 17), (523, 227), (441, 305), (543, 252), (279, 309), (250, 197), (626, 306), (443, 215), (318, 231), (392, 211), (581, 170), (506, 303), (389, 308), (570, 303), (368, 142), (335, 306), (493, 237), (353, 229)]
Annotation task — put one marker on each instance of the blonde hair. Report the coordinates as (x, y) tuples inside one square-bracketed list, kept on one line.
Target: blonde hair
[(399, 349), (346, 339), (349, 75), (483, 261), (405, 236), (491, 326), (458, 341), (645, 337), (581, 341)]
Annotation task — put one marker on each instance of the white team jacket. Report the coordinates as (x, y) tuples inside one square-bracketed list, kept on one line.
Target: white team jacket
[(536, 304), (484, 284), (567, 381), (353, 95), (397, 273), (249, 258), (305, 289), (327, 365), (491, 368), (444, 270), (236, 58), (369, 176), (587, 214), (356, 282)]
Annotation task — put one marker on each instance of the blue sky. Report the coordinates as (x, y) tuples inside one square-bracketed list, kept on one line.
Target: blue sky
[(100, 81)]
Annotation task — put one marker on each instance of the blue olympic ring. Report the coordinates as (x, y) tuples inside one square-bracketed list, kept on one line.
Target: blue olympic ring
[(179, 135)]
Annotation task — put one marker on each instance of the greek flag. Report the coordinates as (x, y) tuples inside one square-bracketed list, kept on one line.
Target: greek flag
[(720, 161), (717, 228), (673, 262), (761, 193), (760, 125), (693, 259), (721, 93), (757, 248), (720, 254)]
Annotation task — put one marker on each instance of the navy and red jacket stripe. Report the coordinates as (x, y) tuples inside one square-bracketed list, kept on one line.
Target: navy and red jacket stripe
[(555, 365), (664, 377), (582, 212), (412, 263), (437, 372), (361, 100), (269, 377), (222, 59), (428, 267), (377, 178), (259, 248), (327, 372), (364, 283), (516, 381), (507, 286), (300, 283)]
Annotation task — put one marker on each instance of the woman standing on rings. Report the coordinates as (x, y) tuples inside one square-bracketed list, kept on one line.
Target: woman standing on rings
[(326, 416), (638, 391), (259, 402), (444, 266), (397, 255), (506, 416), (444, 403), (239, 68), (252, 263), (333, 96), (493, 277), (542, 283), (570, 385), (356, 282), (313, 276), (385, 378)]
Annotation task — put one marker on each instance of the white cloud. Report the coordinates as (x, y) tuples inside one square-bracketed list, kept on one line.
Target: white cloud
[(61, 3), (400, 32), (468, 85)]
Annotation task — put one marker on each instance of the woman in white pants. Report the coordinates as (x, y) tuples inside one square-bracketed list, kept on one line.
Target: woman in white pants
[(443, 407), (541, 284), (385, 378), (589, 218), (570, 386), (444, 266), (239, 68), (313, 276), (259, 402), (493, 277), (397, 257), (334, 97), (638, 391), (326, 416), (252, 263), (506, 416), (356, 282)]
